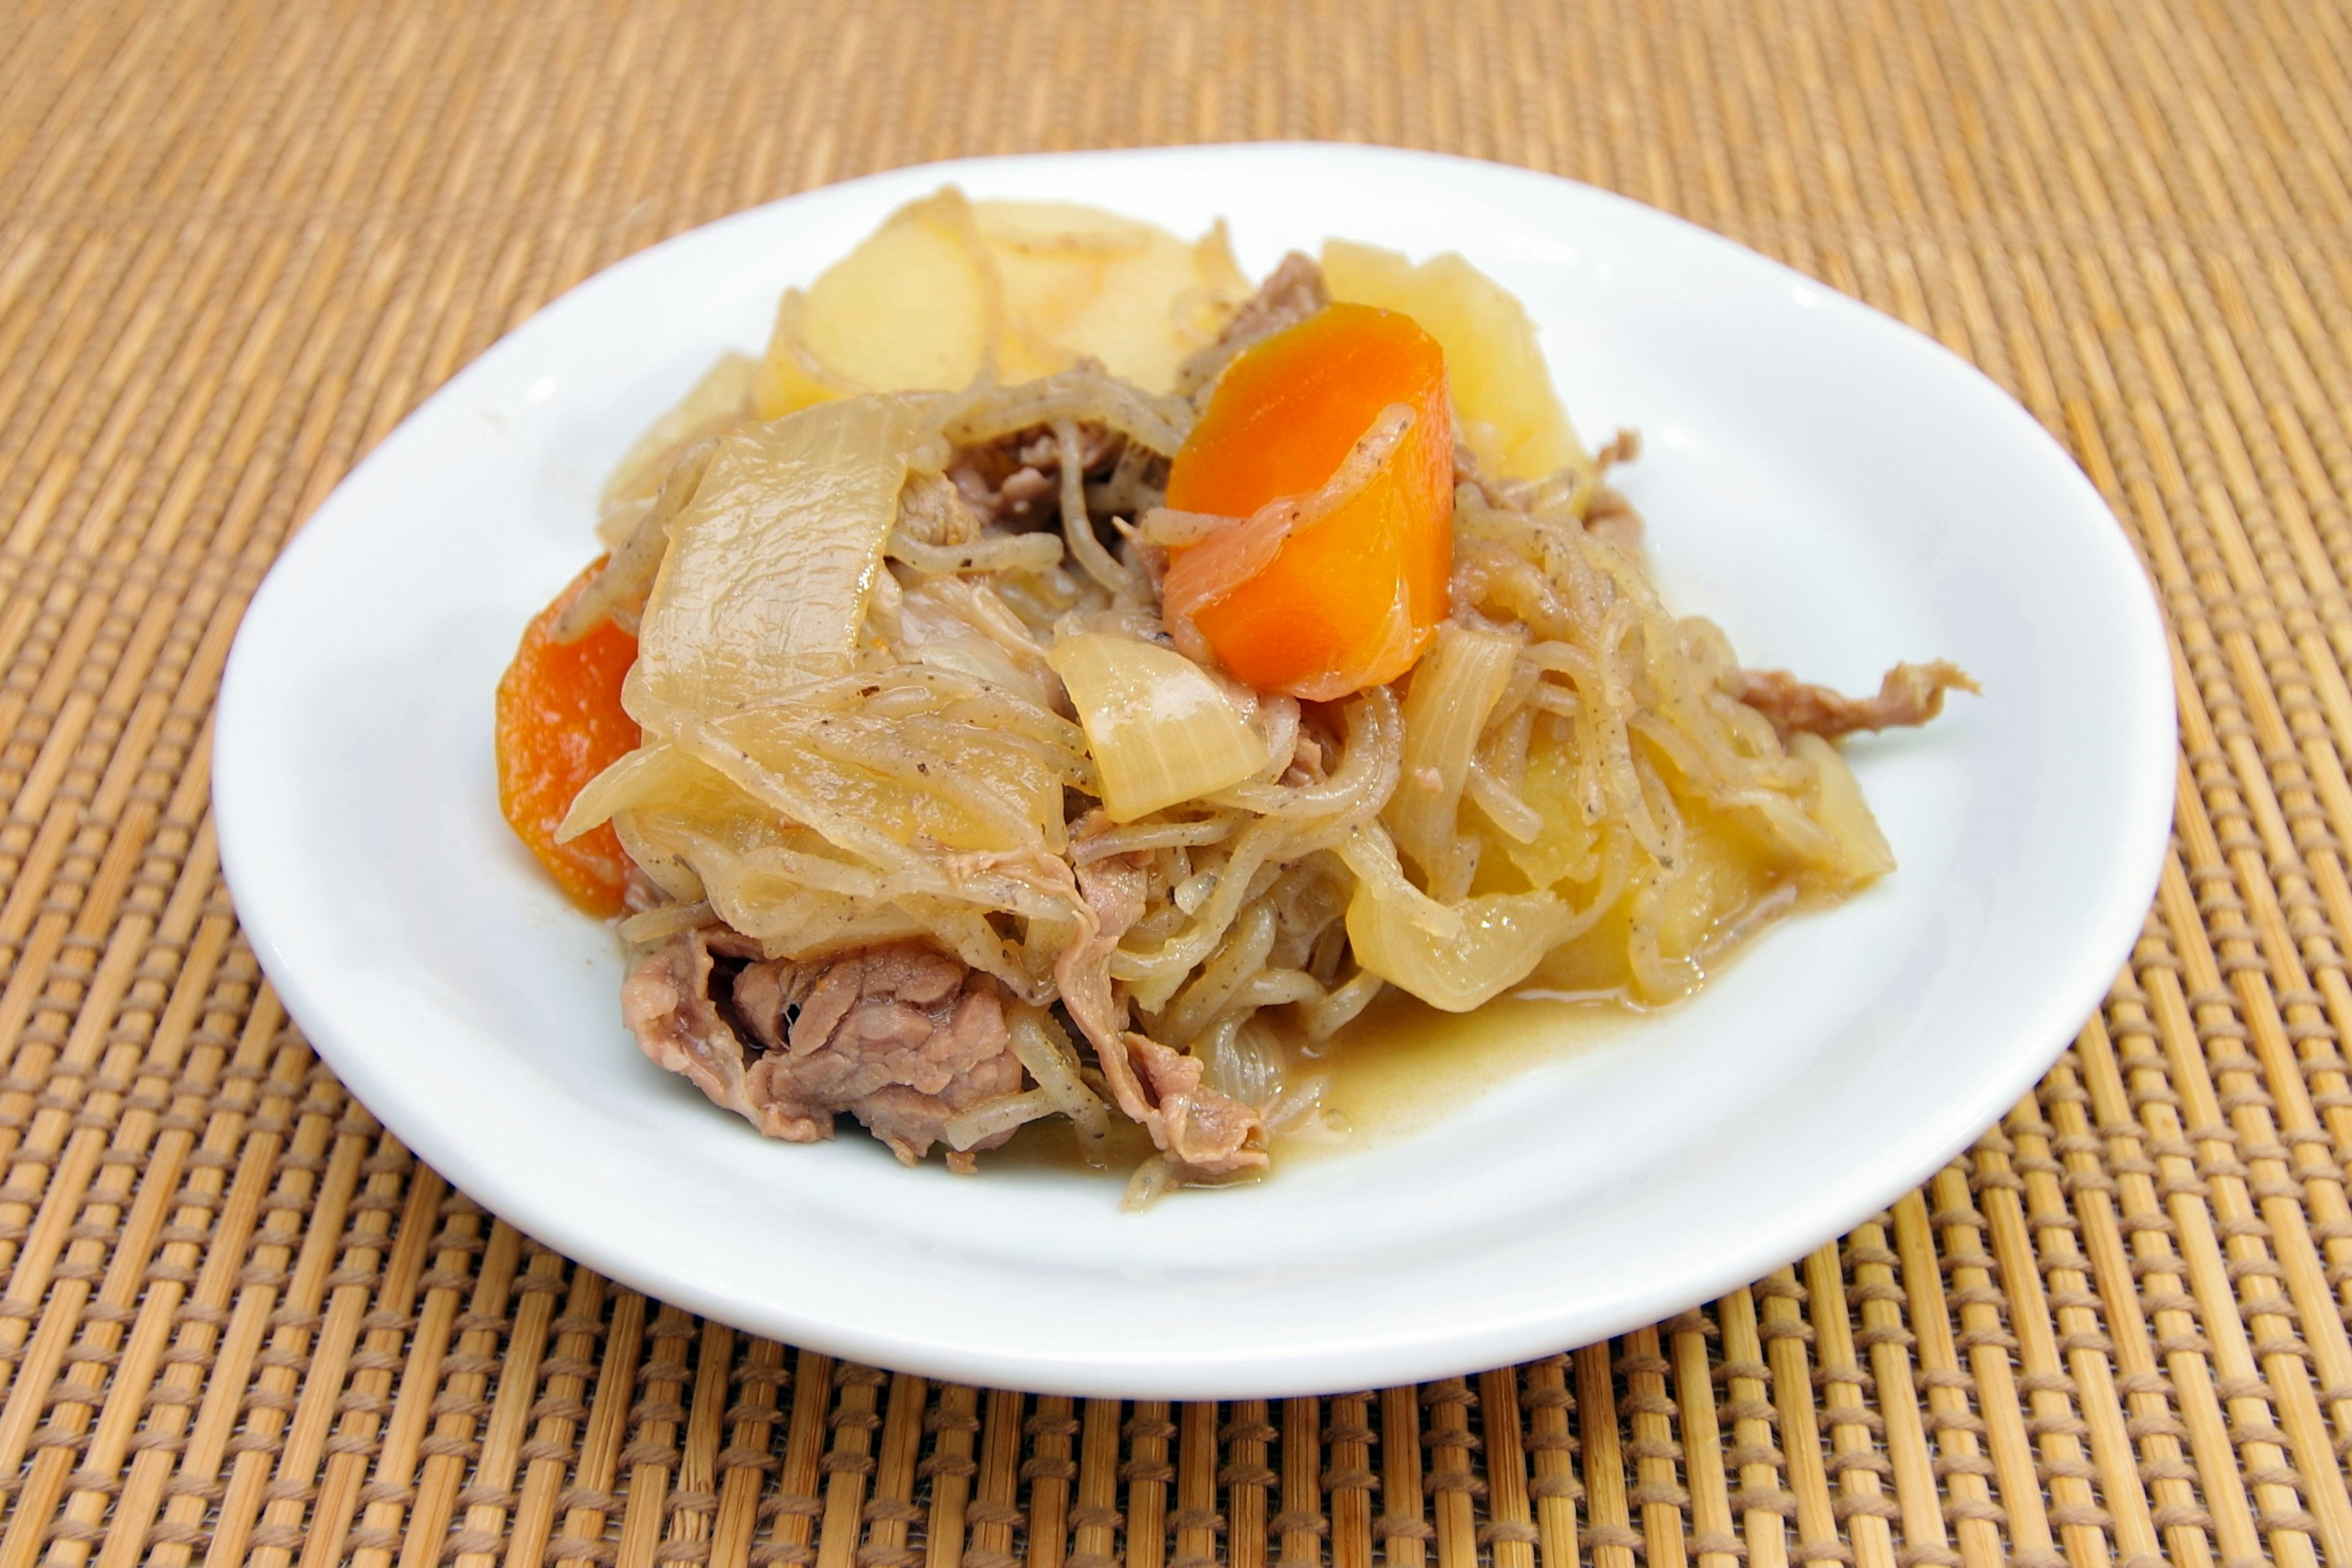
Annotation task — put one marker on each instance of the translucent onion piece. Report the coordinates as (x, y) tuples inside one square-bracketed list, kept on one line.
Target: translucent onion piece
[(1371, 854), (619, 591), (1454, 689), (1247, 1064), (1502, 937), (1159, 730), (628, 780), (769, 568)]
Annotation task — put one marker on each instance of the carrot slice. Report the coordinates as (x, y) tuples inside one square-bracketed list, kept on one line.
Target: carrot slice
[(1319, 596), (561, 723)]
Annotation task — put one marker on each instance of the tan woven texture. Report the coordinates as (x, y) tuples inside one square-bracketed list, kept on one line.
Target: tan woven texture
[(238, 241)]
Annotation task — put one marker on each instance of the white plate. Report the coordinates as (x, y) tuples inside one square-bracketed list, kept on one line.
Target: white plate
[(1836, 491)]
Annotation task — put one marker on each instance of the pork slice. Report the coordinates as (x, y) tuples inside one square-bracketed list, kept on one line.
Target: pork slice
[(900, 1035), (1910, 694)]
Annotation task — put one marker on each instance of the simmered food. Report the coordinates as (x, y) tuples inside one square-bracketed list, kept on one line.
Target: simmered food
[(1059, 682)]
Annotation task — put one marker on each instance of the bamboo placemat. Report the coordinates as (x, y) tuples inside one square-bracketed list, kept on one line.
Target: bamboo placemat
[(238, 241)]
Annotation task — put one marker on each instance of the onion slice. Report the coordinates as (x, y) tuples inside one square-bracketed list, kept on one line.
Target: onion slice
[(1159, 730), (1504, 936)]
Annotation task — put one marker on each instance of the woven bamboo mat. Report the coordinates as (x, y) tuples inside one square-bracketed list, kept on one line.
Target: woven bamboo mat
[(238, 241)]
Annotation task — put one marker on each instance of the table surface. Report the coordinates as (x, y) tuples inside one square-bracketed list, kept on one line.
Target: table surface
[(238, 241)]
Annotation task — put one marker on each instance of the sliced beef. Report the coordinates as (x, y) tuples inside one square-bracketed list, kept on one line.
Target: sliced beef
[(899, 1036), (1911, 694), (1113, 889), (1201, 1130), (903, 1037), (932, 510), (666, 1002)]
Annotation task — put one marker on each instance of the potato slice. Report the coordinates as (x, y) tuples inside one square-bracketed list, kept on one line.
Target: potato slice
[(1508, 412), (1837, 804), (910, 310), (948, 287), (1080, 282)]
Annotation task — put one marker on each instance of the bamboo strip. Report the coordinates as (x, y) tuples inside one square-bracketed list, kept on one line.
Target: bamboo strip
[(950, 1468), (1350, 1479)]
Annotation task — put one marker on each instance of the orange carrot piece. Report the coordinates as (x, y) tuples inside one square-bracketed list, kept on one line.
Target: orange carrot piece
[(561, 723), (1319, 607)]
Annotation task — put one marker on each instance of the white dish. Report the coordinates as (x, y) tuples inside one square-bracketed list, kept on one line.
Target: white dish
[(1836, 491)]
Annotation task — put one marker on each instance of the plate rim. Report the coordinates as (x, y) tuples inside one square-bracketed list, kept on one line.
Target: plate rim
[(2064, 1004)]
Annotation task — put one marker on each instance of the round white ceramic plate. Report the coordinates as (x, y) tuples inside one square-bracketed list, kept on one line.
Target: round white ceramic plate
[(1836, 491)]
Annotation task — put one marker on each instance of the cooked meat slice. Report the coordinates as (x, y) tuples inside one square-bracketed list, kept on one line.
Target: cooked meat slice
[(1613, 521), (1016, 479), (1911, 694), (904, 1038), (666, 1004), (1291, 292), (1113, 889), (1610, 517), (899, 1036), (1201, 1131), (931, 510)]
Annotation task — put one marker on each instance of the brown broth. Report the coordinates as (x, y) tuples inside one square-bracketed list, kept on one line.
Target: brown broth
[(1400, 1067), (1404, 1066), (1053, 1144)]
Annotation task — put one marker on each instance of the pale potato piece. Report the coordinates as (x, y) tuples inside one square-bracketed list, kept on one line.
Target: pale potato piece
[(1510, 416), (908, 311), (1566, 848), (1504, 937), (947, 287), (1837, 806), (1723, 871), (1080, 282)]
